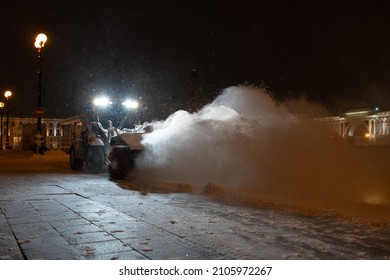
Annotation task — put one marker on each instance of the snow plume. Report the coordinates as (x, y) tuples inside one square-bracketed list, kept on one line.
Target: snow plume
[(245, 142)]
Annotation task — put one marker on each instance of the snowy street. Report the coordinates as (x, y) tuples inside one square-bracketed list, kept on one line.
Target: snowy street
[(48, 211)]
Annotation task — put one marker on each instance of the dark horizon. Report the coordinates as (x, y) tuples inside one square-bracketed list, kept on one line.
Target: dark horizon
[(336, 55)]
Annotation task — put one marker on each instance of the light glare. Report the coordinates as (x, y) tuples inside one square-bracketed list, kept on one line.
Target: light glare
[(131, 104), (101, 102), (40, 40), (7, 94)]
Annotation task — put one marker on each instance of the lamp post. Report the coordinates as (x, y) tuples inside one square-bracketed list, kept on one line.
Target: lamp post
[(7, 95), (40, 41), (1, 124)]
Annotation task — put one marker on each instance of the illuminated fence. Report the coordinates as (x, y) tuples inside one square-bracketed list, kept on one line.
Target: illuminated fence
[(361, 127)]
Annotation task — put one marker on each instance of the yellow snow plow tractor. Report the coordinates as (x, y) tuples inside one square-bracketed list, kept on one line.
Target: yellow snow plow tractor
[(87, 143), (125, 146), (91, 146)]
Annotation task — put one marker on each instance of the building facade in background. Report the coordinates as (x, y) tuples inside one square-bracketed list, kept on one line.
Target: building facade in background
[(22, 131), (359, 126)]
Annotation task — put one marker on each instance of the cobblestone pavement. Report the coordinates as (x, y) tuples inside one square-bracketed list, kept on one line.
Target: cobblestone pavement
[(49, 212)]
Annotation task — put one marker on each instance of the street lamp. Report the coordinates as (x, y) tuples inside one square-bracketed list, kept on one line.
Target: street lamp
[(1, 124), (40, 41), (7, 95)]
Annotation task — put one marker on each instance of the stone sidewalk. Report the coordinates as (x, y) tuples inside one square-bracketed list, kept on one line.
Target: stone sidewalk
[(47, 212), (64, 226), (53, 222)]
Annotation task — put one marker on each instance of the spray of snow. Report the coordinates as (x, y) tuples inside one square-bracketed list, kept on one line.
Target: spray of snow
[(246, 143)]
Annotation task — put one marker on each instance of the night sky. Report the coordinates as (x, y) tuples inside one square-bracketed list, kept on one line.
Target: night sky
[(334, 53)]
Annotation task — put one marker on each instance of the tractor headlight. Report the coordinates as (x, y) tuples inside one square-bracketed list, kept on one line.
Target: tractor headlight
[(101, 102), (130, 104)]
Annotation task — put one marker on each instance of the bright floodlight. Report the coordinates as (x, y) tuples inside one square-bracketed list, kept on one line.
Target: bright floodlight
[(7, 94), (101, 102), (40, 40), (131, 104)]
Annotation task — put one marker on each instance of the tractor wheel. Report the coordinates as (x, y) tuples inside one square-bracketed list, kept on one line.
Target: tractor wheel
[(75, 163), (122, 162), (95, 159)]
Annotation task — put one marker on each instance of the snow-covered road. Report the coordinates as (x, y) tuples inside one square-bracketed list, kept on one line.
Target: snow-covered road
[(55, 213)]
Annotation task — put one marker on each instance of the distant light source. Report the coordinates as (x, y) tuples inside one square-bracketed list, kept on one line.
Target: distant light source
[(130, 104), (101, 102), (367, 135), (374, 198), (7, 94), (40, 41)]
